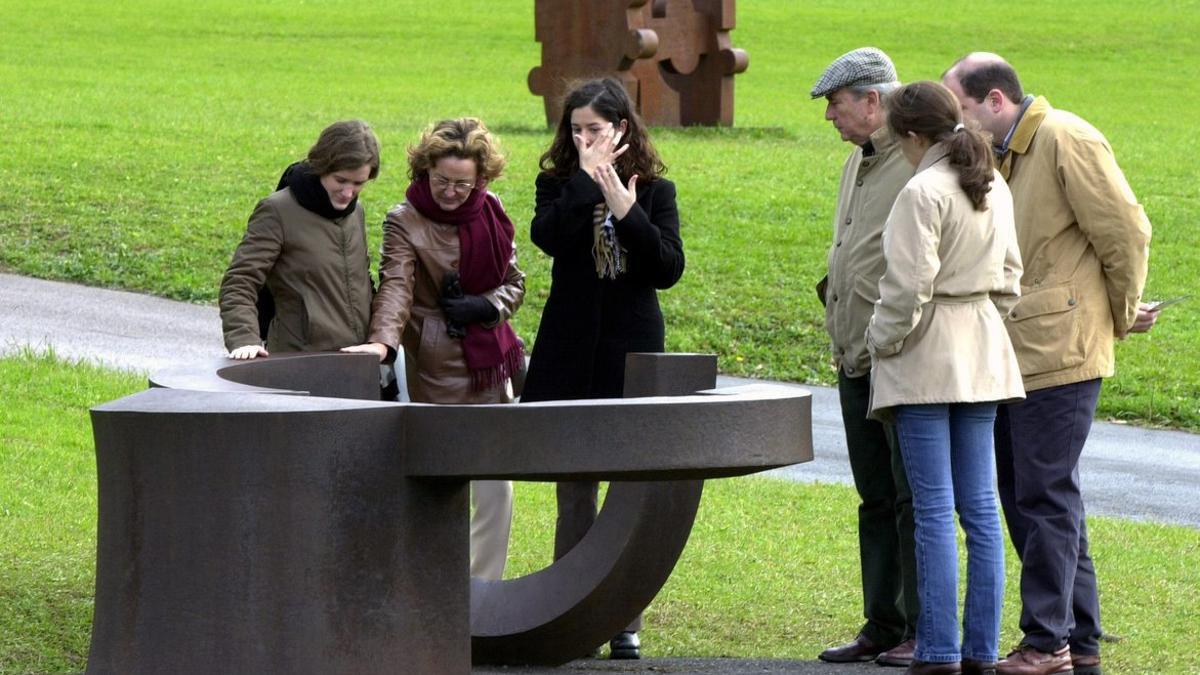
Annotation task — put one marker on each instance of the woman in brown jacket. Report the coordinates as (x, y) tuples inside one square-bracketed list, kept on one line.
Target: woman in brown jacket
[(941, 360), (448, 283), (306, 247)]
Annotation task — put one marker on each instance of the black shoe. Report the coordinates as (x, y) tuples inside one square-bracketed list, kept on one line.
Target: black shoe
[(625, 646)]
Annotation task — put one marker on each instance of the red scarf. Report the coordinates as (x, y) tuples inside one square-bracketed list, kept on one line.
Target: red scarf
[(485, 238)]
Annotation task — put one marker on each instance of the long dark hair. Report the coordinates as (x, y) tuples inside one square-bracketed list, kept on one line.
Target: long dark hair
[(930, 110), (609, 99)]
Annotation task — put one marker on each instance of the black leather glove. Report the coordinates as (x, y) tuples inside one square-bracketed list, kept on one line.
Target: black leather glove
[(469, 309), (461, 309), (452, 289)]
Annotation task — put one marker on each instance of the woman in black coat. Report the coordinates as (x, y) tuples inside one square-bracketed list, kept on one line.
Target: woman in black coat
[(609, 220)]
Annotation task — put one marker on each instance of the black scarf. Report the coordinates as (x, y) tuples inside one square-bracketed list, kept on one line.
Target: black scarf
[(307, 189)]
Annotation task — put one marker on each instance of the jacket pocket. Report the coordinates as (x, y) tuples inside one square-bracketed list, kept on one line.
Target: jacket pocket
[(432, 348), (289, 329), (1045, 330), (306, 332)]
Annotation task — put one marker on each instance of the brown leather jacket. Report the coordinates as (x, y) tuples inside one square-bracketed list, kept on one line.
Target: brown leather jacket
[(417, 253)]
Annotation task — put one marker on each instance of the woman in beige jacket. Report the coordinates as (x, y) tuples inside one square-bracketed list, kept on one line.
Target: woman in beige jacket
[(941, 360), (448, 283)]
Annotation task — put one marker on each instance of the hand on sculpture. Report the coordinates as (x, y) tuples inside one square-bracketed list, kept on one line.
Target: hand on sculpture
[(377, 348), (603, 150), (620, 198), (248, 352)]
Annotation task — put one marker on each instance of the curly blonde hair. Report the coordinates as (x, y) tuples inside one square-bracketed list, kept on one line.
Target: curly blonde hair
[(465, 138)]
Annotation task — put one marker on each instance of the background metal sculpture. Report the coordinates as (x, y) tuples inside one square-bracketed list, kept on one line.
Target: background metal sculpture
[(247, 531), (675, 57)]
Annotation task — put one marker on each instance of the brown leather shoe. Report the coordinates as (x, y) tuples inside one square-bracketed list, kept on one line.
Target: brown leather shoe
[(860, 649), (973, 667), (900, 655), (930, 668), (1086, 664), (1026, 660)]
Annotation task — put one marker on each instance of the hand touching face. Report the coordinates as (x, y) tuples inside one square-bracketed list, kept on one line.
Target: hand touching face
[(597, 140)]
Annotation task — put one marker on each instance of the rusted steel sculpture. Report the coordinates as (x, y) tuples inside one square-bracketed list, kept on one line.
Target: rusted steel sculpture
[(675, 57), (248, 522)]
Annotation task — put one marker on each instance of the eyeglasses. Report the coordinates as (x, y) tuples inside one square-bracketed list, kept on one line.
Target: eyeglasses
[(440, 183)]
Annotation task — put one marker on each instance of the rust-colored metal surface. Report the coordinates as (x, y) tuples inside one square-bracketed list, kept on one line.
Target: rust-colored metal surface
[(245, 531), (675, 57)]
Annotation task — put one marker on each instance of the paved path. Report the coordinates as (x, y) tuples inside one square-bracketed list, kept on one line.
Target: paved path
[(690, 666), (1136, 473)]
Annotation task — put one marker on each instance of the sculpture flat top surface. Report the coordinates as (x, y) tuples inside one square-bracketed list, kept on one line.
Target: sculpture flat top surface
[(242, 530)]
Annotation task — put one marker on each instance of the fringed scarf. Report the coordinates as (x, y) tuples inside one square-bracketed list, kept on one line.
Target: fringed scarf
[(485, 238), (606, 249)]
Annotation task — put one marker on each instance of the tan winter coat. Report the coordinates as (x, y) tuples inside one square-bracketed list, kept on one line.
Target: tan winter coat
[(417, 254), (865, 195), (317, 270), (1085, 243), (937, 334)]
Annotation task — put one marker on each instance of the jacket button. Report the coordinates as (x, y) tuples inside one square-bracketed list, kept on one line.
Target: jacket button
[(839, 243), (859, 183), (866, 165), (848, 220), (835, 297), (1071, 302), (850, 369)]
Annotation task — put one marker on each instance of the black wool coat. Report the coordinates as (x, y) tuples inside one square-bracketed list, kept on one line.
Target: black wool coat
[(589, 323)]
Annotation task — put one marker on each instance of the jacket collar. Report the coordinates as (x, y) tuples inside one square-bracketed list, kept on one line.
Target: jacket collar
[(1028, 125), (1022, 137), (883, 139), (936, 153)]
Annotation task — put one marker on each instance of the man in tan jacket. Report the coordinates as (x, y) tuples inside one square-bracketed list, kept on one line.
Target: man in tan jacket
[(855, 86), (1084, 241)]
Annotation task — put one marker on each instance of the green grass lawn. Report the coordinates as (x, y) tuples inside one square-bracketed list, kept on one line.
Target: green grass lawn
[(139, 135), (771, 569)]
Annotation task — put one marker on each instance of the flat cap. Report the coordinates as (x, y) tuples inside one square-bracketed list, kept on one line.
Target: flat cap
[(863, 66)]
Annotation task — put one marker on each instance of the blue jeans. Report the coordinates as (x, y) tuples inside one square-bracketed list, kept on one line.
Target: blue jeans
[(948, 454)]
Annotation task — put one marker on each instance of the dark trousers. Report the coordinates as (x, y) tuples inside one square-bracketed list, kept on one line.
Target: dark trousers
[(577, 501), (885, 519), (1038, 444)]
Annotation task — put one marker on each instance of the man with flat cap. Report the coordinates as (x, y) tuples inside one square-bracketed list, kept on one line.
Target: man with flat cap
[(1084, 241), (855, 86)]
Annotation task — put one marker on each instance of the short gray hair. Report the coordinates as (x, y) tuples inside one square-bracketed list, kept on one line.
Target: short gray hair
[(885, 89)]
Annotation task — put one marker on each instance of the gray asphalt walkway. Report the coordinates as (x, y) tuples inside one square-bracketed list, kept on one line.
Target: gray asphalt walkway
[(696, 667), (1130, 472)]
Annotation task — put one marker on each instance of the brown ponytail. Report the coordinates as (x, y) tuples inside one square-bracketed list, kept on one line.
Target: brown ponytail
[(930, 110)]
